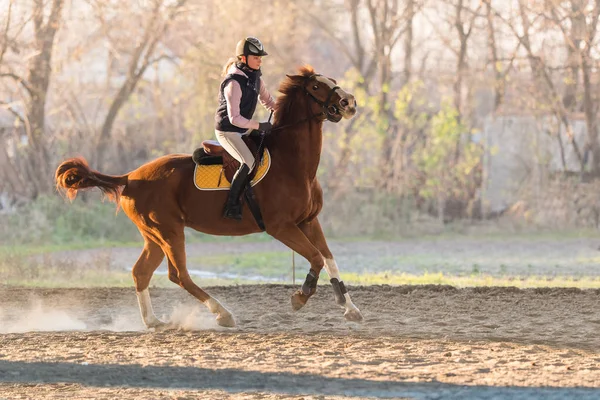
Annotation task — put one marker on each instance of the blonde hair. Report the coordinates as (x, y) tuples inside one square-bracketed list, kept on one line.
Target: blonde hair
[(229, 63)]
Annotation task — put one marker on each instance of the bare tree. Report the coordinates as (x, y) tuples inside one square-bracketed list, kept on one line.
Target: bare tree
[(46, 18), (461, 19), (541, 71), (578, 21), (500, 72), (388, 21), (409, 15), (145, 53), (463, 24), (371, 58)]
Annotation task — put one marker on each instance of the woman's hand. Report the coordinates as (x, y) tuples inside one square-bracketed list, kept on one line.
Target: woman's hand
[(265, 127)]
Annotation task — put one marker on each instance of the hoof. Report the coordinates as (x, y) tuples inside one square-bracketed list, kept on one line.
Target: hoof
[(158, 325), (226, 320), (353, 315), (298, 300)]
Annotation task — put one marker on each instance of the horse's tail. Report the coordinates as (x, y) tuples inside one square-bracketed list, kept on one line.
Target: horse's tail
[(74, 174)]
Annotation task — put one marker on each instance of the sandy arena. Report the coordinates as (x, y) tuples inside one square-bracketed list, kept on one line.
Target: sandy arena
[(427, 342)]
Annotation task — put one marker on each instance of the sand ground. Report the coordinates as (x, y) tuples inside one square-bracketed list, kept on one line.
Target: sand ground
[(418, 342)]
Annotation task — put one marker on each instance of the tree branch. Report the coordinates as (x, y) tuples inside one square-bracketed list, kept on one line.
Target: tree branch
[(341, 44), (54, 18), (593, 25), (38, 19), (14, 112), (6, 28), (356, 34), (442, 37), (19, 80)]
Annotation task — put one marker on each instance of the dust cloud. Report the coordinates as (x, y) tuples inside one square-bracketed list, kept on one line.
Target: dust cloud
[(38, 316)]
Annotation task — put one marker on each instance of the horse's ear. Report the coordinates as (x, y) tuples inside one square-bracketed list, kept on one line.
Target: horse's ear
[(295, 80)]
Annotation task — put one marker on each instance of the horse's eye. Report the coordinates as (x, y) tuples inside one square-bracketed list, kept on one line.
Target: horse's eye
[(315, 87)]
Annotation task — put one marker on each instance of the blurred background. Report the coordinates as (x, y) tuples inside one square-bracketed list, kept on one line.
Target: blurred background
[(477, 118)]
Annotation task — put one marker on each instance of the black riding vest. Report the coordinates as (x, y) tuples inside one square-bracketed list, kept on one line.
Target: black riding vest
[(250, 90)]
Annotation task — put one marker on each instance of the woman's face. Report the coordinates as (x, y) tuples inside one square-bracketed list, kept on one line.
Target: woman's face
[(254, 62)]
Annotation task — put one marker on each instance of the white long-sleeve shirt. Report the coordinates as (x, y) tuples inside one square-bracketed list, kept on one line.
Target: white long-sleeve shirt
[(233, 95)]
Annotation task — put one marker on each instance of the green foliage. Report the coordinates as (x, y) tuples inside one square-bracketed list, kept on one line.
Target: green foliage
[(52, 220), (411, 109), (449, 157)]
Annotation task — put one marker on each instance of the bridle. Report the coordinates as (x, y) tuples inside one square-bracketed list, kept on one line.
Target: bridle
[(329, 110)]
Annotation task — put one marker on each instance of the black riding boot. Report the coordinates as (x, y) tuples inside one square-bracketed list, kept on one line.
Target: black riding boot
[(233, 207)]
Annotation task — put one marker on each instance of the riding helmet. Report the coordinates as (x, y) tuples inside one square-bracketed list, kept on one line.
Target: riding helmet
[(250, 46)]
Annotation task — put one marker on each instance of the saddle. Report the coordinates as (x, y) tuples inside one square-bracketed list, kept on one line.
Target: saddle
[(212, 153)]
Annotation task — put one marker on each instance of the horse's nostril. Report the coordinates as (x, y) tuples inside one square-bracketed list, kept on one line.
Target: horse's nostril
[(344, 102)]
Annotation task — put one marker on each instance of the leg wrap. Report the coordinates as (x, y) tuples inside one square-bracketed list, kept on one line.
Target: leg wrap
[(310, 284), (339, 290)]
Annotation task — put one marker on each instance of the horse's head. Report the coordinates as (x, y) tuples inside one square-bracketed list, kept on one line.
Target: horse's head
[(327, 97), (334, 101)]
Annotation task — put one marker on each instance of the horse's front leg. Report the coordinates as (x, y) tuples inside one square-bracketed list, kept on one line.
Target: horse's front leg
[(314, 233), (352, 313), (292, 236)]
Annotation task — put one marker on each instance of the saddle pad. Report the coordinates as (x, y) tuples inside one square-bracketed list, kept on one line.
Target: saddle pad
[(212, 177)]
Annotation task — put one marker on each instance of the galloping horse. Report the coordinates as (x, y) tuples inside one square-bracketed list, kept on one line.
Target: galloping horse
[(160, 198)]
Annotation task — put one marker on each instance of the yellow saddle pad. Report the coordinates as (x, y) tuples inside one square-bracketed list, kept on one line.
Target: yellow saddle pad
[(212, 177)]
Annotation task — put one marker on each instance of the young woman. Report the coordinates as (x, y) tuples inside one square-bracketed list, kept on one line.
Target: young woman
[(241, 89)]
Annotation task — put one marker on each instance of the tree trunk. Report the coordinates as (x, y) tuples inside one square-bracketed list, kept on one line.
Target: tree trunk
[(499, 78), (38, 81), (590, 117), (139, 63), (408, 42)]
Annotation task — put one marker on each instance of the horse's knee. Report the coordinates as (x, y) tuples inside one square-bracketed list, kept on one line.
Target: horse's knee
[(174, 275), (146, 264), (174, 278), (185, 281), (141, 280)]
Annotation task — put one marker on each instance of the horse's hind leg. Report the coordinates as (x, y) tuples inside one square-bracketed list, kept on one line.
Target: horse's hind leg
[(314, 233), (151, 257), (174, 248)]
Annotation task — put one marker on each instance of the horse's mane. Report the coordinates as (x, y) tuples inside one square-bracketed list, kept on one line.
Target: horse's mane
[(289, 88)]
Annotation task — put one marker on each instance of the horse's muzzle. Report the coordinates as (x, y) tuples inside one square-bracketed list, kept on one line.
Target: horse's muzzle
[(348, 106)]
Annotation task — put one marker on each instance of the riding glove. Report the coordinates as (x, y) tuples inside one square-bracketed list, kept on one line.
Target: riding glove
[(265, 127)]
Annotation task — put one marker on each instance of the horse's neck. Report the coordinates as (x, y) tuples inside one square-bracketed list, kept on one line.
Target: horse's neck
[(299, 146)]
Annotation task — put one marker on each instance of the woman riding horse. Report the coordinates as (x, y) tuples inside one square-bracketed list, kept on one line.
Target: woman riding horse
[(161, 199), (240, 89)]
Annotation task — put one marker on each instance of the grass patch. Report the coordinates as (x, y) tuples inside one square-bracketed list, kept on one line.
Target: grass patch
[(34, 265), (28, 269), (474, 280), (30, 250), (53, 277), (192, 236), (475, 234), (274, 264)]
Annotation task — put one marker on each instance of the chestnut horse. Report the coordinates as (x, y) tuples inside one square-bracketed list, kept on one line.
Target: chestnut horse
[(161, 199)]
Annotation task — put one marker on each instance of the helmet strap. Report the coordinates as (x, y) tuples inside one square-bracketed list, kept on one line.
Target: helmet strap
[(245, 67)]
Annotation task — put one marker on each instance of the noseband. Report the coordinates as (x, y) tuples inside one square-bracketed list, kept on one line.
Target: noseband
[(329, 110)]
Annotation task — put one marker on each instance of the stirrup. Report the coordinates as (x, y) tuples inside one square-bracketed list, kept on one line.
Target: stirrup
[(233, 211)]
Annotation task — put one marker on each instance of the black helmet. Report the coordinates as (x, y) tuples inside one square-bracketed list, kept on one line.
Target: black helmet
[(250, 46)]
